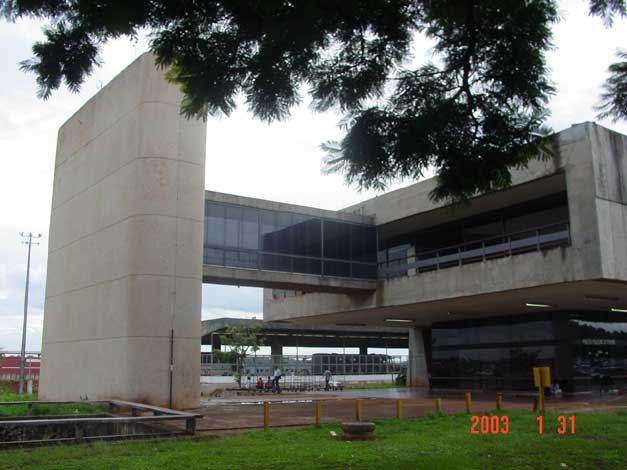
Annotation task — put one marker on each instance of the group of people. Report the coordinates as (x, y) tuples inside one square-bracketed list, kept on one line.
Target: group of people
[(270, 385)]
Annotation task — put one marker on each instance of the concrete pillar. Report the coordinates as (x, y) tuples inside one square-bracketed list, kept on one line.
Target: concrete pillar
[(125, 247), (216, 342), (417, 375), (276, 350), (363, 350)]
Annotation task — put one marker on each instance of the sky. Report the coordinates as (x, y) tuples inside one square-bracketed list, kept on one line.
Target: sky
[(279, 161)]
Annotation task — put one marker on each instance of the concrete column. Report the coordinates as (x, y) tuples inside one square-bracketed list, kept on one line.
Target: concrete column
[(276, 350), (216, 342), (363, 350), (125, 250), (417, 375)]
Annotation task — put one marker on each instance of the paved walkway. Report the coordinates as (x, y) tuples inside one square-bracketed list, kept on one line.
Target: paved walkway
[(297, 409)]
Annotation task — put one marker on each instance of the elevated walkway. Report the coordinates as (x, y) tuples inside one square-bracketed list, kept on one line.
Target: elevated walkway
[(259, 243)]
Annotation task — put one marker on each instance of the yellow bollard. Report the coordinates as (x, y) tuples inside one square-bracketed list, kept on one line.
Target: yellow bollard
[(438, 405), (499, 401), (468, 402), (318, 413), (358, 410), (399, 409), (266, 415)]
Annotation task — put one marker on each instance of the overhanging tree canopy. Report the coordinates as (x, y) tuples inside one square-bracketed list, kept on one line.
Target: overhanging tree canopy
[(474, 112)]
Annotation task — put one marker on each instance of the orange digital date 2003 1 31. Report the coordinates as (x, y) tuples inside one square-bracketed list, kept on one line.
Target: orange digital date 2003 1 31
[(500, 424)]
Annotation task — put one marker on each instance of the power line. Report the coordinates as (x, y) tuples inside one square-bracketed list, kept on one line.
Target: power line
[(29, 241)]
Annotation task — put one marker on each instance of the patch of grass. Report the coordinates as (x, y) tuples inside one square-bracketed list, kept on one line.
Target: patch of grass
[(371, 386), (42, 410), (437, 442)]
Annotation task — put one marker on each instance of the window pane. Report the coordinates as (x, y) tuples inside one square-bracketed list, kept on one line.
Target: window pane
[(336, 268), (214, 232), (283, 238), (233, 219), (268, 226), (249, 229), (363, 243), (213, 256), (364, 271), (306, 236), (307, 266), (336, 240), (275, 263)]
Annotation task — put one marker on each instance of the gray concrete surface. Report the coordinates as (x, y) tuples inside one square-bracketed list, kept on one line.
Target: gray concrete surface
[(125, 253), (588, 161)]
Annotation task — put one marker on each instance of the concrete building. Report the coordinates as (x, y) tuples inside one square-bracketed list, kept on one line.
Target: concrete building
[(278, 335), (532, 275)]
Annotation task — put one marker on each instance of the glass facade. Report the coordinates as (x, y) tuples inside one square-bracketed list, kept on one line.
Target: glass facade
[(246, 237), (585, 350), (538, 223)]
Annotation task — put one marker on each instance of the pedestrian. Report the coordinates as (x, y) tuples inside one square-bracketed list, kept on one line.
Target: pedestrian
[(275, 379), (327, 379)]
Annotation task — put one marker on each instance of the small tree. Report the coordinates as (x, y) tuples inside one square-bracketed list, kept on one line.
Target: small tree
[(241, 340)]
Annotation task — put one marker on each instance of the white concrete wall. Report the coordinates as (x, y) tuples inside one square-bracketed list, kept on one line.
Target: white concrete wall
[(125, 254)]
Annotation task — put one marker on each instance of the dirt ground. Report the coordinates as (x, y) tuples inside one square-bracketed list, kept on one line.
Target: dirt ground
[(297, 409)]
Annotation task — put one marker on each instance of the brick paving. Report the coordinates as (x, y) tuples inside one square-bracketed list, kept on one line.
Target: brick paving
[(298, 409)]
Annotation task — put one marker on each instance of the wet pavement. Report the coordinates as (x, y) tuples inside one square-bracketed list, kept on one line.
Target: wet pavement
[(297, 409)]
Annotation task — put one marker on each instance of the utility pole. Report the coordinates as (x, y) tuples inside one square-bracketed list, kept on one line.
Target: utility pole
[(28, 242)]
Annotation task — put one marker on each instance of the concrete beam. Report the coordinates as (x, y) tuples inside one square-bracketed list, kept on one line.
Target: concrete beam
[(280, 280)]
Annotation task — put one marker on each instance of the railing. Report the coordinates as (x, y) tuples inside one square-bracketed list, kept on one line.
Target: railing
[(308, 365), (471, 252), (289, 263)]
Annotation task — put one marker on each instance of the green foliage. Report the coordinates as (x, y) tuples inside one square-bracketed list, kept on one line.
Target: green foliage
[(474, 112), (43, 410), (614, 97), (437, 442), (241, 340)]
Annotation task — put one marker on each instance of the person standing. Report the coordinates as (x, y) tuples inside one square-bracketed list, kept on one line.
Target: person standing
[(275, 379), (327, 379)]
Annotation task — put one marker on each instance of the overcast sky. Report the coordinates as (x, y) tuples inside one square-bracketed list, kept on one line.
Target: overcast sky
[(281, 161)]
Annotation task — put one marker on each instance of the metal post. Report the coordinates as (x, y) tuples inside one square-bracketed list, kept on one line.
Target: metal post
[(499, 401), (30, 242), (438, 405), (358, 410), (266, 415), (318, 414), (468, 397), (399, 409), (171, 366)]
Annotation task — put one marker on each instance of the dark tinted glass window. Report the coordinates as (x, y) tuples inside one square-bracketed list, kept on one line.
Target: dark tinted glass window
[(364, 271), (306, 233), (363, 243), (233, 220), (213, 256), (249, 236), (336, 240), (215, 224), (337, 268), (276, 263), (307, 266), (240, 235)]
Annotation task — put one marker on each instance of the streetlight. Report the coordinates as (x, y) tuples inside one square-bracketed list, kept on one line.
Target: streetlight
[(28, 242)]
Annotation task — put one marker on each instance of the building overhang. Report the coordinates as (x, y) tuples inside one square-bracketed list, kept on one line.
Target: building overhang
[(597, 295)]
